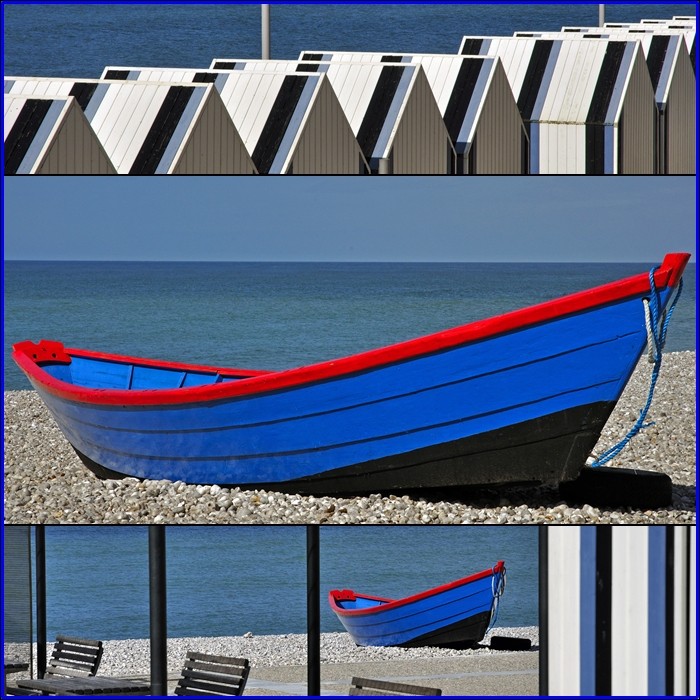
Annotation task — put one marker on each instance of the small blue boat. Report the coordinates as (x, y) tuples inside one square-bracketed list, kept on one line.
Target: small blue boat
[(455, 615), (520, 397)]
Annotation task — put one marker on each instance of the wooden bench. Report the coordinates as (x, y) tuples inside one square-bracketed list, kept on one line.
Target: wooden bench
[(75, 657), (72, 657), (367, 686), (204, 674)]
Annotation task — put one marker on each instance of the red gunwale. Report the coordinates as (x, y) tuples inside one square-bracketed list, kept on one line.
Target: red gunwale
[(667, 275), (391, 604)]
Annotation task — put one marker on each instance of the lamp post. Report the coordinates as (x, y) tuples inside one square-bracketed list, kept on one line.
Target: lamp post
[(265, 16)]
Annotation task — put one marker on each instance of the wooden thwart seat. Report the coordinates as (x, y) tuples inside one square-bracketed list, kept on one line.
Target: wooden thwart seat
[(367, 686), (205, 674)]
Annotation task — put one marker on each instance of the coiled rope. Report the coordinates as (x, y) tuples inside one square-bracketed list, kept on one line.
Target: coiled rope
[(656, 327), (498, 586)]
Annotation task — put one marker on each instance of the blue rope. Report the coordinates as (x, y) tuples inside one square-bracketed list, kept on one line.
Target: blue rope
[(498, 586), (658, 344)]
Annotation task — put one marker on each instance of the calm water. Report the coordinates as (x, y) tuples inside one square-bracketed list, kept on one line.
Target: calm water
[(225, 581), (278, 315), (80, 40)]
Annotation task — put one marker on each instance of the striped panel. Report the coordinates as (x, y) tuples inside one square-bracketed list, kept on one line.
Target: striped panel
[(161, 131), (23, 133), (83, 93), (116, 74), (597, 113), (176, 141), (533, 78), (618, 611), (471, 47), (378, 109), (277, 122), (461, 96)]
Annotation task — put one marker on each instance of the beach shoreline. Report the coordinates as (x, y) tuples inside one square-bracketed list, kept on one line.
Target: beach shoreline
[(45, 482)]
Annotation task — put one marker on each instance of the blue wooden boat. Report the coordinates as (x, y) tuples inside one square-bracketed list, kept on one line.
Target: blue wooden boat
[(456, 615), (520, 397)]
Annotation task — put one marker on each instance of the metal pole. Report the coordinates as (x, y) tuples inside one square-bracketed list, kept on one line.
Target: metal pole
[(40, 556), (158, 609), (313, 611), (543, 610), (265, 16), (601, 15)]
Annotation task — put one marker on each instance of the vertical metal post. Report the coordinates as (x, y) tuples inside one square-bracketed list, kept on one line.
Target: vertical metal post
[(543, 602), (40, 557), (601, 15), (385, 166), (158, 609), (313, 611), (265, 17)]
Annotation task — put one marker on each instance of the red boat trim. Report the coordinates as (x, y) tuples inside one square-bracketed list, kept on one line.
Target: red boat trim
[(391, 604), (667, 275)]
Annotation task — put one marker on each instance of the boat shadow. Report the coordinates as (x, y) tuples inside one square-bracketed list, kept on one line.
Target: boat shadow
[(513, 496)]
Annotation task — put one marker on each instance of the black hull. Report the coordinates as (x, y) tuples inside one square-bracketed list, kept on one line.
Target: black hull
[(551, 449), (460, 635)]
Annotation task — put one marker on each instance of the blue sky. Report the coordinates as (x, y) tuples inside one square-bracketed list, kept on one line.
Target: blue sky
[(576, 219)]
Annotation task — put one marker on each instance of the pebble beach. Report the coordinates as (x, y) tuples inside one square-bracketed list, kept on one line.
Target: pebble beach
[(278, 662), (45, 482)]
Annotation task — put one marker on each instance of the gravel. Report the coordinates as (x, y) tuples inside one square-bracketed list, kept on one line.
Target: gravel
[(45, 482), (130, 657)]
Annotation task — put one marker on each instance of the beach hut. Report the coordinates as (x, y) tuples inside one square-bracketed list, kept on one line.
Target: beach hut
[(476, 103), (290, 123), (673, 83), (152, 128), (618, 610), (588, 105), (390, 108), (50, 136)]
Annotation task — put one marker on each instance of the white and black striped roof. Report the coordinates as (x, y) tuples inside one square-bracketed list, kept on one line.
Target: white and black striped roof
[(684, 27), (661, 50), (141, 126), (567, 80), (459, 83), (268, 108), (373, 96)]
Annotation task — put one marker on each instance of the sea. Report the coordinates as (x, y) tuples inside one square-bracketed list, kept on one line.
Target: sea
[(231, 580), (275, 316), (79, 40)]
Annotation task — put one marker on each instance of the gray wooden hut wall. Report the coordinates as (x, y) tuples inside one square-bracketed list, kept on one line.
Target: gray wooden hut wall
[(636, 147), (326, 144), (501, 144), (225, 154), (680, 127), (618, 610), (422, 144)]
